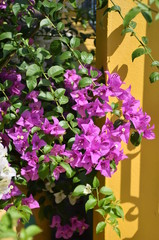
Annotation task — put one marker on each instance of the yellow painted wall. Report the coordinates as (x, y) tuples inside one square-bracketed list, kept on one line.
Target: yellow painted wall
[(136, 183)]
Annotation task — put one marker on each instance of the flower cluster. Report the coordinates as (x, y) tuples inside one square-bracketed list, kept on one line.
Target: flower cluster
[(6, 172), (66, 231), (51, 100)]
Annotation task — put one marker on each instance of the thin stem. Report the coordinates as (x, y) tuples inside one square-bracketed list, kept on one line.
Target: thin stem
[(52, 91), (148, 7), (135, 35), (97, 195), (71, 49)]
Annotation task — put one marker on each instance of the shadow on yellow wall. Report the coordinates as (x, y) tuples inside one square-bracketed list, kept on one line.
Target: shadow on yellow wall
[(136, 183)]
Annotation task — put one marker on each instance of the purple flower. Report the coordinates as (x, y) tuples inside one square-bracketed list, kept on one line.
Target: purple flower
[(71, 79), (104, 167), (3, 4), (57, 171), (14, 191), (58, 150), (47, 127), (30, 202), (90, 130), (33, 96), (30, 173), (57, 129), (56, 221), (37, 142), (78, 225), (26, 120), (122, 132), (31, 158), (20, 138)]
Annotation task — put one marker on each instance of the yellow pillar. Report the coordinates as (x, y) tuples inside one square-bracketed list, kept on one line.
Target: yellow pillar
[(136, 183)]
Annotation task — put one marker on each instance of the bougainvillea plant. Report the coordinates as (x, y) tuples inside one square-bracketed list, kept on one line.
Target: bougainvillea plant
[(51, 100)]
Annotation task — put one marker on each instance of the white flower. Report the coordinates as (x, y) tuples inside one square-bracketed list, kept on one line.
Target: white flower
[(49, 186), (72, 199), (6, 172), (87, 189), (59, 196)]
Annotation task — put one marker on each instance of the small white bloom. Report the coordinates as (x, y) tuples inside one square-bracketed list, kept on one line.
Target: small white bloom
[(87, 189), (49, 186), (59, 196), (72, 199), (6, 172)]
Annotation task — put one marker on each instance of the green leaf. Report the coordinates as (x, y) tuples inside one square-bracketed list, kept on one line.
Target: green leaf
[(96, 182), (101, 4), (133, 24), (77, 54), (73, 124), (5, 35), (47, 149), (64, 124), (44, 82), (147, 15), (101, 212), (55, 71), (63, 100), (75, 42), (136, 138), (59, 109), (60, 92), (45, 22), (94, 74), (60, 26), (25, 208), (78, 191), (8, 234), (145, 40), (100, 227), (86, 58), (117, 230), (73, 3), (47, 96), (84, 82), (83, 71), (138, 52), (7, 48), (119, 211), (32, 230), (7, 84), (55, 47), (70, 142), (29, 21), (67, 167), (113, 8), (155, 63), (35, 129), (70, 117), (76, 180), (90, 204), (31, 83), (154, 76), (157, 17), (157, 3), (16, 8), (130, 15), (43, 170), (33, 70), (65, 55), (106, 191), (65, 40)]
